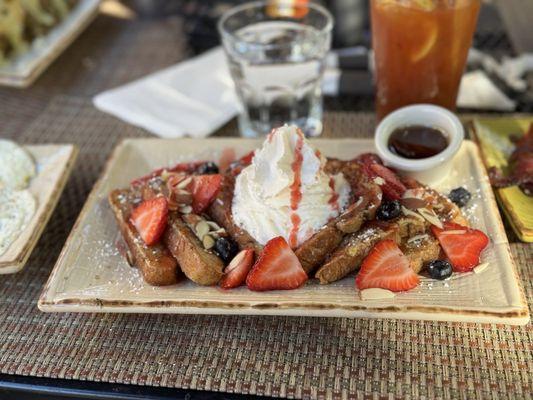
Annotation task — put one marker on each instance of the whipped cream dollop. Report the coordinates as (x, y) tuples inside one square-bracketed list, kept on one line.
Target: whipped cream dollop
[(285, 190)]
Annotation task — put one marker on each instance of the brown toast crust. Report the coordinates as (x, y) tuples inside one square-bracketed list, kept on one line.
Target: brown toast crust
[(421, 252), (199, 265), (155, 262)]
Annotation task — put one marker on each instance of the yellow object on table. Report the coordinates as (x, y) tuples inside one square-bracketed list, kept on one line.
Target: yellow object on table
[(494, 138)]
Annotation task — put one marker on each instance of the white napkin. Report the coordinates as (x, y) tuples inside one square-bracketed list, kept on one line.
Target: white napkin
[(477, 91), (192, 98)]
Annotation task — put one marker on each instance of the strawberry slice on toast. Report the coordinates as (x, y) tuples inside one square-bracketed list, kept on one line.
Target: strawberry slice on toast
[(277, 268), (462, 245), (237, 270), (204, 188), (390, 183), (150, 219), (386, 267)]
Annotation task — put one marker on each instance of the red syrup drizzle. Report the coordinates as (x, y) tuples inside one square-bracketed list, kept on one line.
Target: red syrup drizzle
[(296, 192), (334, 199)]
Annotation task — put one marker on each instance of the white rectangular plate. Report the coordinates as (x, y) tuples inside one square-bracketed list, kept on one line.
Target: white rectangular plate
[(54, 163), (91, 276), (22, 70)]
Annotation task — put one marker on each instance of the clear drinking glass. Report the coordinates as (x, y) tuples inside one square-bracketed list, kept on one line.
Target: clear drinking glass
[(276, 52)]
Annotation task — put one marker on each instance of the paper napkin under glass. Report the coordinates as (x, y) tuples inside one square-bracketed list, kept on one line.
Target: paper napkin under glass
[(192, 98)]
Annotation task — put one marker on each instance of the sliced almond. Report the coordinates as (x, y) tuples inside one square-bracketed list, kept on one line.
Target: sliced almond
[(376, 294), (185, 209), (418, 237), (378, 180), (408, 212), (481, 267), (431, 217), (184, 183), (213, 225), (164, 175), (201, 229), (454, 232), (208, 242)]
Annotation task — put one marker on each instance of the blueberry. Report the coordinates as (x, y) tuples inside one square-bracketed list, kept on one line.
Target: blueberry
[(388, 210), (207, 168), (226, 249), (460, 196), (439, 269)]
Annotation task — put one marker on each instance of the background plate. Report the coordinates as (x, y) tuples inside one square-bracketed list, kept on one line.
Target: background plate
[(91, 276), (493, 136), (25, 68), (54, 163)]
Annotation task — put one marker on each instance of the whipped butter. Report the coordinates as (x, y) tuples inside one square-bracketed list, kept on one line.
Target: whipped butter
[(285, 190), (17, 206)]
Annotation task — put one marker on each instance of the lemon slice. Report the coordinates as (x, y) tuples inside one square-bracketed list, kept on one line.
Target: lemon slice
[(429, 39), (426, 5)]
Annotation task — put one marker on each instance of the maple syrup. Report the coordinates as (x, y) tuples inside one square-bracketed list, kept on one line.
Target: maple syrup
[(417, 141)]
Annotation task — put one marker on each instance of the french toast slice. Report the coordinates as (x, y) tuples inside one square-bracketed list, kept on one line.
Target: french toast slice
[(421, 251), (157, 265), (198, 264)]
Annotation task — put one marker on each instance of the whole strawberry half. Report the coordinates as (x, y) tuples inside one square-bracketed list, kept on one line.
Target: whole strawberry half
[(386, 267), (150, 219), (237, 270), (392, 187), (277, 268), (462, 245), (204, 188)]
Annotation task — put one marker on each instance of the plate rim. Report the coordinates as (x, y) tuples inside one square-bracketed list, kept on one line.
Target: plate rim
[(516, 315), (17, 264)]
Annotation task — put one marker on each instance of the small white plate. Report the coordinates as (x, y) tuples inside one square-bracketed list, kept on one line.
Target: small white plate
[(91, 276), (24, 69), (54, 163)]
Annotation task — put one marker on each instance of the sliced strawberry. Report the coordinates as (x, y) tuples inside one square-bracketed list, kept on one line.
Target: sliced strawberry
[(392, 186), (462, 245), (278, 268), (386, 267), (247, 158), (150, 219), (188, 168), (204, 188), (237, 270)]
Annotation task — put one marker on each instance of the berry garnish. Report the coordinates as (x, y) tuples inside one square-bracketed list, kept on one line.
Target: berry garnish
[(390, 184), (237, 270), (204, 188), (439, 269), (278, 268), (150, 219), (225, 248), (386, 267), (461, 244), (460, 196), (207, 168), (388, 210)]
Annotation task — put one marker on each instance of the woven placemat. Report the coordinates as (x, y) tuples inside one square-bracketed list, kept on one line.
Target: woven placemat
[(273, 356)]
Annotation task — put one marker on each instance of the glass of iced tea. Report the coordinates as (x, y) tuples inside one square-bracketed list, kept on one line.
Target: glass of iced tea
[(420, 50)]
